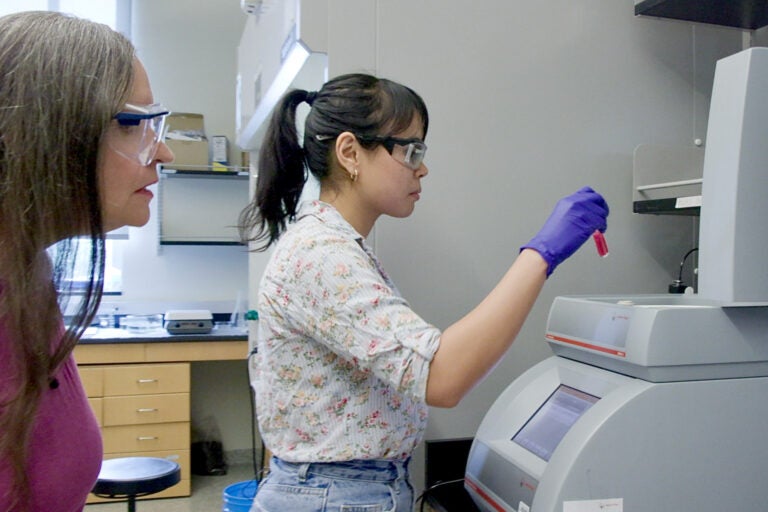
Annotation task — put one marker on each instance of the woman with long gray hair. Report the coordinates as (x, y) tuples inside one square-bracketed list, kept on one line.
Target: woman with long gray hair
[(79, 139)]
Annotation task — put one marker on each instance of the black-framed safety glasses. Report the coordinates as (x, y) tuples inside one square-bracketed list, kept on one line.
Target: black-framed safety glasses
[(409, 152)]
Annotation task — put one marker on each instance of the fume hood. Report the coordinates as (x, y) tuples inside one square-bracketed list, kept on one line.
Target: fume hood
[(283, 46)]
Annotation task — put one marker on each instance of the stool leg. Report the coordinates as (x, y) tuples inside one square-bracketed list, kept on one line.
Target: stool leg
[(131, 504)]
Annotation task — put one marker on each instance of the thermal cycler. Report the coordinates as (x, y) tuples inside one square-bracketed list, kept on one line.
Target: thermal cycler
[(655, 402)]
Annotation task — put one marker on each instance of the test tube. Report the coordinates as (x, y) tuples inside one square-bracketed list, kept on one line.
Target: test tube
[(600, 243)]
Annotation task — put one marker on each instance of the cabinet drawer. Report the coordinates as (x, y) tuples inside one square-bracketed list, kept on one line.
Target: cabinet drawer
[(140, 409), (144, 438), (98, 409), (146, 379), (92, 379)]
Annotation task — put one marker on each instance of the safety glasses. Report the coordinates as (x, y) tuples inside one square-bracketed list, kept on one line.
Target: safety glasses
[(409, 152), (140, 130)]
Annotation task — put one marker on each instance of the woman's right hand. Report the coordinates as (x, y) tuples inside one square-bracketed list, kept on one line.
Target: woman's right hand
[(573, 220)]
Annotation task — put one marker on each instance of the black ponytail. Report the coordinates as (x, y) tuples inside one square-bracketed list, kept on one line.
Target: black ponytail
[(362, 104), (281, 176)]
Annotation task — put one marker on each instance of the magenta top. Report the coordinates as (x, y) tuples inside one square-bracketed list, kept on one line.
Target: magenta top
[(65, 450)]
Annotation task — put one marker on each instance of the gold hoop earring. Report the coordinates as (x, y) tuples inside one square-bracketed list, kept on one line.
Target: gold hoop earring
[(353, 174)]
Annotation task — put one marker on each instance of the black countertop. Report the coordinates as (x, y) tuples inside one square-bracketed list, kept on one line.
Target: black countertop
[(104, 335)]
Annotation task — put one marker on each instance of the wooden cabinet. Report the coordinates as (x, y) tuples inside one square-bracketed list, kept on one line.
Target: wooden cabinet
[(143, 410), (111, 370)]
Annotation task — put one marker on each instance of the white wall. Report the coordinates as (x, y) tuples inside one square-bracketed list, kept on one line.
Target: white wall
[(531, 102), (189, 50)]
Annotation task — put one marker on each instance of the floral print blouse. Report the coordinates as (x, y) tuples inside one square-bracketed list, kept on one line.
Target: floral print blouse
[(342, 360)]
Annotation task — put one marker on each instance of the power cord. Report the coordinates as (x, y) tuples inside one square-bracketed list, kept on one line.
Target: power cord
[(678, 286), (258, 466), (422, 497)]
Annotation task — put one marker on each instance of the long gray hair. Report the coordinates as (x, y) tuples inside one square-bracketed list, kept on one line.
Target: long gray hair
[(61, 81)]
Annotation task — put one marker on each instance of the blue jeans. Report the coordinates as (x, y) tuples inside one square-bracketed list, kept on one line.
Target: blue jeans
[(353, 486)]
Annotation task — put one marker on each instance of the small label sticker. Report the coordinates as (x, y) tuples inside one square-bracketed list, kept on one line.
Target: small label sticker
[(605, 505), (522, 507), (688, 202)]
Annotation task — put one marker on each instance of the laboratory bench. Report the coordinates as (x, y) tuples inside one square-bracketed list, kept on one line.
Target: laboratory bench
[(138, 385), (111, 345)]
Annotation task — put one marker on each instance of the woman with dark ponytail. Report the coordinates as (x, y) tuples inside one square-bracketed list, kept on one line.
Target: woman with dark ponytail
[(346, 369)]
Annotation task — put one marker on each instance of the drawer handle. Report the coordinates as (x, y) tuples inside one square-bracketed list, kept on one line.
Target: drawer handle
[(147, 438), (146, 410), (146, 381)]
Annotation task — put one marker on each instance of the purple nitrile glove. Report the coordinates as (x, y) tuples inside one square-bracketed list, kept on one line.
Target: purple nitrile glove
[(570, 224)]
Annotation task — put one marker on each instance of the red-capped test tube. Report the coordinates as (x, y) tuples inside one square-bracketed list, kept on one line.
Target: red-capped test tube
[(600, 243)]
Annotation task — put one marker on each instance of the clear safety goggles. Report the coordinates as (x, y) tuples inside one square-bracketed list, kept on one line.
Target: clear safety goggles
[(409, 152), (140, 130)]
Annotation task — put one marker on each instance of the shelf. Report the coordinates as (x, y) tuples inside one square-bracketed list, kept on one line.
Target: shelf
[(206, 171), (199, 206), (745, 14), (667, 180), (206, 241), (687, 206)]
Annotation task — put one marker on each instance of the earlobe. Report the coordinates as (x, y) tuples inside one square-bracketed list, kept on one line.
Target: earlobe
[(347, 151)]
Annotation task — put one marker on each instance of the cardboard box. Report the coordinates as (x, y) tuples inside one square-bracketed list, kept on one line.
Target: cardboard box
[(186, 138)]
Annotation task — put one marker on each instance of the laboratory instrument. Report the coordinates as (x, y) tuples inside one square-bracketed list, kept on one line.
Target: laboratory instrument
[(188, 321), (655, 402)]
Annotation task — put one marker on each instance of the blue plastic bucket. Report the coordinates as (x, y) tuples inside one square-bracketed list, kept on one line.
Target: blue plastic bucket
[(239, 497)]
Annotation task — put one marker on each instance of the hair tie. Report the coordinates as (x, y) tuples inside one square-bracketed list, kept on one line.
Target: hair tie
[(310, 99)]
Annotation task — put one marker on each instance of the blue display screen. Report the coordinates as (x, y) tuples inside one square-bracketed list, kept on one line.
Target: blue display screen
[(546, 428)]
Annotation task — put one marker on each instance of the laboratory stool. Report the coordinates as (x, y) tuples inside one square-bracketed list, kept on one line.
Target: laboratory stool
[(133, 477)]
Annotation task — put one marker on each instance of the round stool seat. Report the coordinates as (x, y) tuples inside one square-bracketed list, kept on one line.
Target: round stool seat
[(135, 476)]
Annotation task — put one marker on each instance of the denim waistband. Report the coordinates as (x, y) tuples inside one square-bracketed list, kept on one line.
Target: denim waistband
[(376, 470)]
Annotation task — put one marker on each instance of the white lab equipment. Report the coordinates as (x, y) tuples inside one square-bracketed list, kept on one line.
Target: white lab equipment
[(655, 402)]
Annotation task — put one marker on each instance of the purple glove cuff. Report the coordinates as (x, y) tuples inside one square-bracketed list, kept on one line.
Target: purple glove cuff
[(551, 260)]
